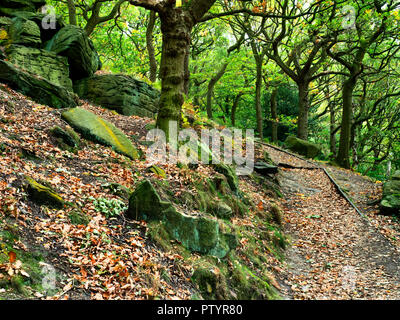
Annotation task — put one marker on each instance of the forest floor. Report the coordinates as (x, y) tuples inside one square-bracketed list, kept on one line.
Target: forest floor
[(336, 253)]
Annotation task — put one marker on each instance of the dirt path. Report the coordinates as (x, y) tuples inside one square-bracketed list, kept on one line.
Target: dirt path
[(335, 253)]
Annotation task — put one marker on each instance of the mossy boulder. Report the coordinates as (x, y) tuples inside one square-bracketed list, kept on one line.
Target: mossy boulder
[(41, 63), (67, 138), (222, 210), (7, 7), (122, 93), (38, 18), (42, 194), (95, 128), (198, 233), (390, 203), (210, 281), (39, 89), (73, 43), (302, 147), (25, 32), (230, 174)]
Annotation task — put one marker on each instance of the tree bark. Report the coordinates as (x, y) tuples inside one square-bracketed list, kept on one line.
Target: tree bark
[(274, 115), (302, 121), (176, 26), (72, 12), (259, 115), (234, 108), (343, 157), (150, 46), (332, 135)]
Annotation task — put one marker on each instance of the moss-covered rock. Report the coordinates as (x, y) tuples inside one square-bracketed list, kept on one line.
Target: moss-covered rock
[(94, 128), (210, 281), (25, 32), (390, 203), (199, 233), (145, 203), (230, 174), (67, 136), (42, 194), (122, 93), (40, 90), (264, 168), (73, 43), (37, 17), (302, 147), (222, 210), (7, 7), (41, 63)]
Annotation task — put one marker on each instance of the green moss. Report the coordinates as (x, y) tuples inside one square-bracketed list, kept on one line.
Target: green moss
[(78, 217), (276, 214), (210, 281), (42, 194), (230, 175), (95, 128)]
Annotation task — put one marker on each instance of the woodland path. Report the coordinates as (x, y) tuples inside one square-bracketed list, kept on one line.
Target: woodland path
[(335, 252)]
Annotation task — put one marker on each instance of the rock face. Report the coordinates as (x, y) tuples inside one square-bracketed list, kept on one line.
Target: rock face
[(302, 147), (46, 33), (390, 203), (73, 43), (25, 32), (7, 7), (25, 65), (201, 233), (121, 93), (99, 130), (41, 90), (42, 63), (264, 168)]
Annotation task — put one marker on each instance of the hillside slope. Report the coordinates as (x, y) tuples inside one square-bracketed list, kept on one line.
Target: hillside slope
[(88, 248)]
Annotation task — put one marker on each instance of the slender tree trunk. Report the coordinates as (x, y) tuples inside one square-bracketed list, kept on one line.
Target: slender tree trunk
[(274, 115), (259, 115), (302, 120), (234, 108), (332, 136), (176, 26), (211, 86), (343, 157), (72, 12), (150, 46)]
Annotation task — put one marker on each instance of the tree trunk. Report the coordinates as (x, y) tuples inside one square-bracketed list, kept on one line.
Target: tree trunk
[(259, 115), (72, 12), (302, 120), (176, 26), (234, 108), (150, 46), (274, 115), (332, 136), (343, 157), (210, 90)]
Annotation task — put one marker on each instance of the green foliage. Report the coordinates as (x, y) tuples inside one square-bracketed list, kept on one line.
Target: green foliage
[(109, 207)]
